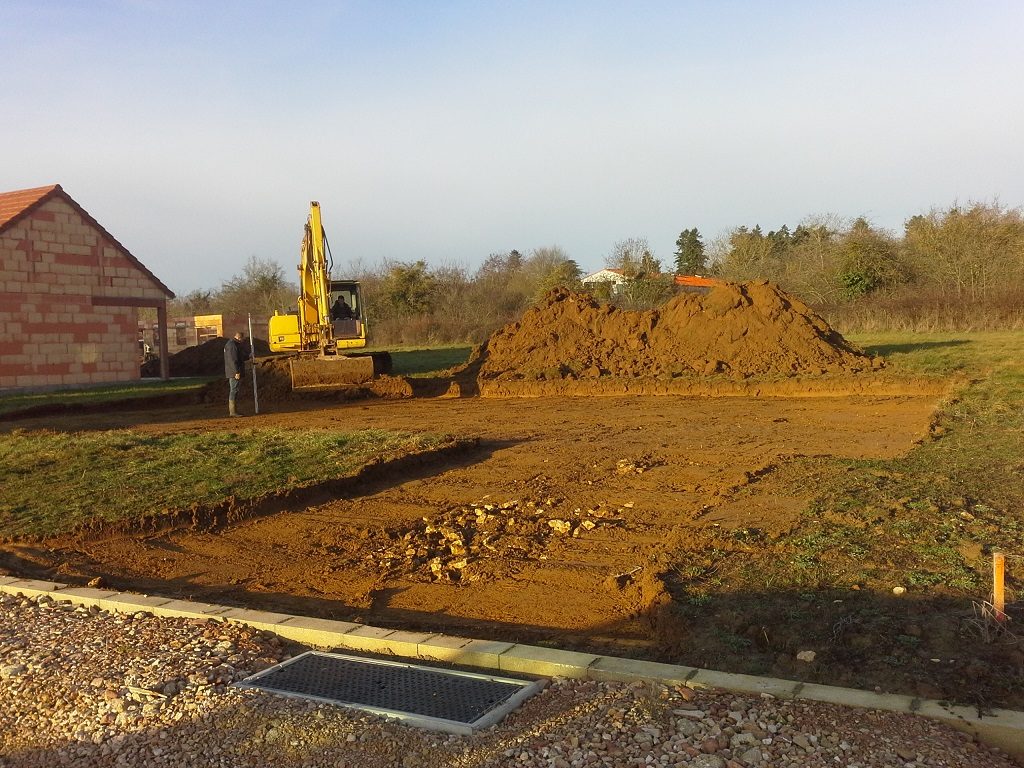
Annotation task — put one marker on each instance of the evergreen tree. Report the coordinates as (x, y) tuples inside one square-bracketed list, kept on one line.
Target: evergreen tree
[(690, 257)]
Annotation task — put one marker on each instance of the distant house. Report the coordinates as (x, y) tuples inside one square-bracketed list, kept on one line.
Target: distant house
[(69, 295), (696, 283), (612, 276), (685, 283)]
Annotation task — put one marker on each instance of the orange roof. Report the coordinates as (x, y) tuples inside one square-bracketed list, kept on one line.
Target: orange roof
[(698, 281), (14, 205)]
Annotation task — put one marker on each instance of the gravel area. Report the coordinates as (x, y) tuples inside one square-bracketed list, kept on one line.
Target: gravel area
[(81, 687)]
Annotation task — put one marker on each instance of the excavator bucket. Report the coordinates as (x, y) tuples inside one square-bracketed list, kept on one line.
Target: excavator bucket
[(329, 373)]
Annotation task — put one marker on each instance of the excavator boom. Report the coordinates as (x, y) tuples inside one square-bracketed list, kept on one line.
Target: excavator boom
[(315, 287)]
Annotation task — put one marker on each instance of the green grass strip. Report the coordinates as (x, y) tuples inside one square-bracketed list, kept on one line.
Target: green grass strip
[(18, 401), (55, 481)]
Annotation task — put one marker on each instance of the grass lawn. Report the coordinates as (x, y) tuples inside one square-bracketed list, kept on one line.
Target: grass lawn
[(427, 361), (19, 401), (54, 481), (945, 353)]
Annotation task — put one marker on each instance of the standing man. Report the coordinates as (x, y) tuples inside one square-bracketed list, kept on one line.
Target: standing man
[(234, 365)]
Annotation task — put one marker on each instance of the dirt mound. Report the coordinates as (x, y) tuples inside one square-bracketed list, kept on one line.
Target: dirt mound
[(737, 329), (206, 359), (274, 384)]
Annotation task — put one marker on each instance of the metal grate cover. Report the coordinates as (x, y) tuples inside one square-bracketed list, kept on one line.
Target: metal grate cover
[(441, 699)]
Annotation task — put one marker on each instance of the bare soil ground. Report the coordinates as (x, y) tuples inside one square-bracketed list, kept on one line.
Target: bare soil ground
[(558, 528), (591, 514)]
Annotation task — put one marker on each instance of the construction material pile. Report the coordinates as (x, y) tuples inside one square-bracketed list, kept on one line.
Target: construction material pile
[(737, 330), (453, 545), (206, 359)]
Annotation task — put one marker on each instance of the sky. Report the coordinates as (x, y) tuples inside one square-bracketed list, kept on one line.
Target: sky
[(197, 133)]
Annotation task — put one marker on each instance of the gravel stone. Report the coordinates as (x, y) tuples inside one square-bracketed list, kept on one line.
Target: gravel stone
[(91, 688)]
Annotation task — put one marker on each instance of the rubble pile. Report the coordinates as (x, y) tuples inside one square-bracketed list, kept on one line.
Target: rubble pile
[(448, 546)]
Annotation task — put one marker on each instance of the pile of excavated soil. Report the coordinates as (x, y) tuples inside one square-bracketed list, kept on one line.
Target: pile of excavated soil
[(206, 359), (737, 330)]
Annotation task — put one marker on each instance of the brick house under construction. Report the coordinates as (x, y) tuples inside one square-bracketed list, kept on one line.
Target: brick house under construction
[(69, 295)]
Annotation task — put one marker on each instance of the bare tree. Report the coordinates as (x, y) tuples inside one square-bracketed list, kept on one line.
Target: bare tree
[(968, 253), (634, 257), (260, 288)]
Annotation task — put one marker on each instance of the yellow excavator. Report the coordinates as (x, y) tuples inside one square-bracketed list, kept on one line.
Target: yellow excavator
[(329, 324)]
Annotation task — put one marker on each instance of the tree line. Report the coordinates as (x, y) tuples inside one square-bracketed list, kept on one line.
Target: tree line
[(960, 267), (956, 268)]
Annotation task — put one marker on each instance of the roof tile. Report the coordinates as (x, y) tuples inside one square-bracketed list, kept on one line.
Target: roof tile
[(13, 204)]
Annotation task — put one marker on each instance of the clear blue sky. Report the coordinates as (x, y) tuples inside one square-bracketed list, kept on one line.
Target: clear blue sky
[(198, 132)]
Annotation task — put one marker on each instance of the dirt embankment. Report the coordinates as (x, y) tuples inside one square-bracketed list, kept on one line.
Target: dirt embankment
[(206, 359), (736, 330)]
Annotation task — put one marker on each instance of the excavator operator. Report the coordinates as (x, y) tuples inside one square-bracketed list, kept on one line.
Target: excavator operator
[(340, 310)]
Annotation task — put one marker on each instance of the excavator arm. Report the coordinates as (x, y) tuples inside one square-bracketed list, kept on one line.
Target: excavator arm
[(315, 288)]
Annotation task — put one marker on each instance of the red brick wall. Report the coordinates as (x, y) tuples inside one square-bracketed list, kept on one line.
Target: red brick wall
[(52, 263)]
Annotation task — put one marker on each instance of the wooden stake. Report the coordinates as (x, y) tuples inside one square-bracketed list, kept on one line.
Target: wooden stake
[(998, 591)]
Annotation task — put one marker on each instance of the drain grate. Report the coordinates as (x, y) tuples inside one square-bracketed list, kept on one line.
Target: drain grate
[(440, 699)]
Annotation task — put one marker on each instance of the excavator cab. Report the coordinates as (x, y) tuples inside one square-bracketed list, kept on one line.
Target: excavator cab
[(346, 313)]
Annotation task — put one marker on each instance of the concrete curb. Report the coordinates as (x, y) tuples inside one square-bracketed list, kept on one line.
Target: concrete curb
[(1002, 728)]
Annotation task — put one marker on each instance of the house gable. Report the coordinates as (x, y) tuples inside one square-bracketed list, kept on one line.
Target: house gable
[(69, 293), (50, 215)]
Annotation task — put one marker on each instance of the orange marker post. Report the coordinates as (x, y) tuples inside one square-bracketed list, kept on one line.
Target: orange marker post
[(998, 590)]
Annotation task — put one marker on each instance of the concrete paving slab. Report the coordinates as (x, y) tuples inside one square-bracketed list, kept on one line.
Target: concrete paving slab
[(87, 596), (852, 697), (609, 668), (123, 602), (366, 638), (32, 587), (402, 643), (475, 653), (265, 620), (187, 609), (708, 678), (441, 647), (4, 580), (323, 633), (545, 662)]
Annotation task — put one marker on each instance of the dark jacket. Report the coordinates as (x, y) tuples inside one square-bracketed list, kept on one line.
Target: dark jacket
[(234, 359)]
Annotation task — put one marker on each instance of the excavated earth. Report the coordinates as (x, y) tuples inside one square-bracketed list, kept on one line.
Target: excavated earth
[(560, 524), (738, 329), (556, 528), (206, 359)]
